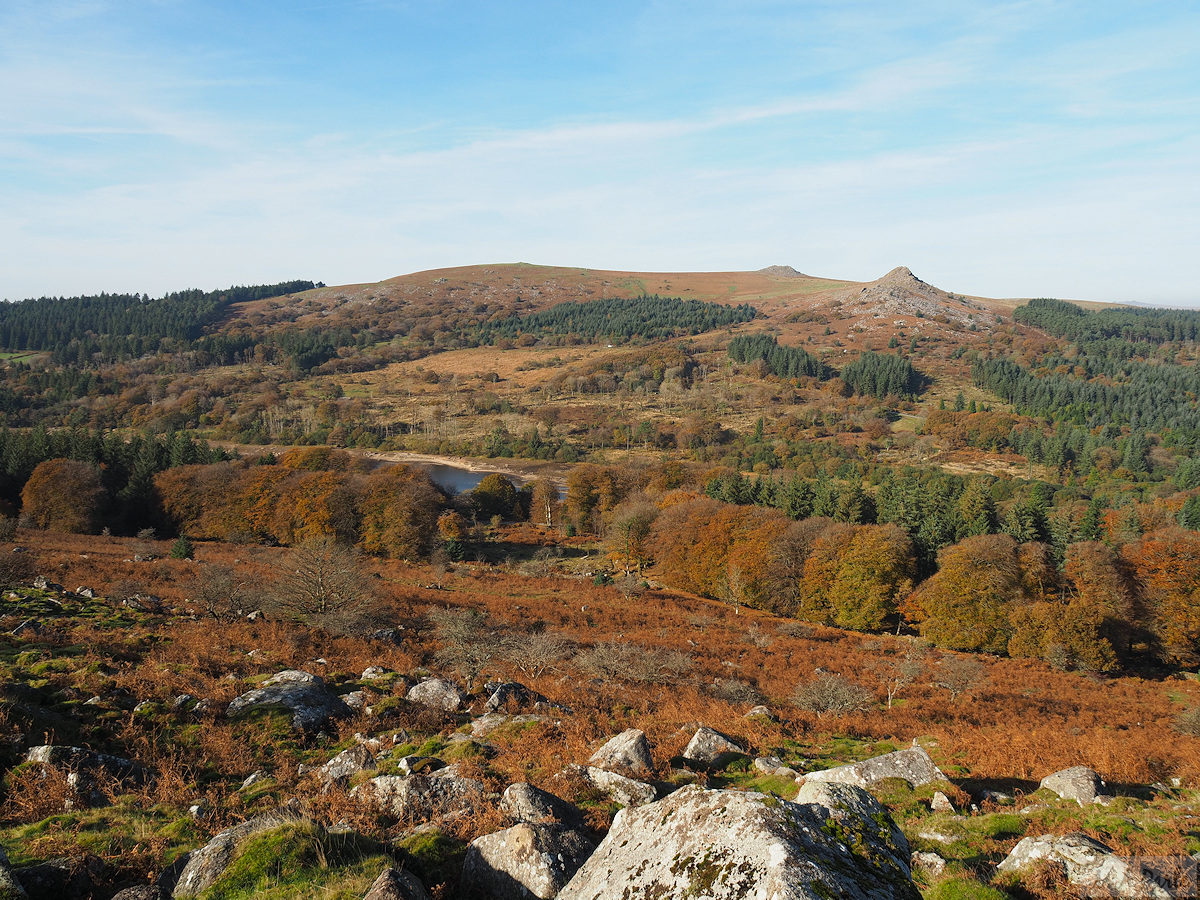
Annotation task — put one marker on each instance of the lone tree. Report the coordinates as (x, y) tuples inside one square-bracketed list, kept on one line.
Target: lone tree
[(322, 583)]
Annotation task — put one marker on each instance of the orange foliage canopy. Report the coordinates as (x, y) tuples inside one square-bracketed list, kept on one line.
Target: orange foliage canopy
[(1166, 564), (391, 512), (63, 495)]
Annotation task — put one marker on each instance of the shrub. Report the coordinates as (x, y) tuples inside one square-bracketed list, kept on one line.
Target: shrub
[(734, 690), (183, 548), (832, 694), (610, 660)]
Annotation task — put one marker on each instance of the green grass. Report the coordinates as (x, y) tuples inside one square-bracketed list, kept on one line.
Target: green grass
[(435, 857), (113, 832), (963, 889), (300, 860)]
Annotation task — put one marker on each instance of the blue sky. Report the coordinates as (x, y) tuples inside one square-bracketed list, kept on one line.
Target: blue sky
[(1001, 149)]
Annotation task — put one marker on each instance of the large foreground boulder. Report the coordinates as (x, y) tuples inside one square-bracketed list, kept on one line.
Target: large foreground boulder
[(311, 703), (912, 765), (1078, 783), (627, 753), (525, 860), (1089, 864), (523, 802), (832, 841)]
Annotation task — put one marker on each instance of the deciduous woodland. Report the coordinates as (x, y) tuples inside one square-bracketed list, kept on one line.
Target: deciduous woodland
[(707, 492)]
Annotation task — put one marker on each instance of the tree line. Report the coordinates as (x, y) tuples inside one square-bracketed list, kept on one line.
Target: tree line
[(121, 326), (111, 481), (1128, 323), (645, 317), (874, 374)]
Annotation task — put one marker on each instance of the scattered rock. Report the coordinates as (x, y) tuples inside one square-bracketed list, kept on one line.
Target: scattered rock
[(388, 636), (419, 765), (941, 803), (486, 724), (834, 841), (206, 865), (768, 765), (1089, 864), (84, 767), (373, 673), (929, 863), (628, 752), (525, 860), (707, 746), (65, 878), (502, 695), (254, 779), (356, 700), (393, 884), (912, 765), (525, 803), (625, 791), (338, 770), (312, 704), (422, 797), (142, 892), (438, 694), (10, 887), (86, 592), (1078, 783)]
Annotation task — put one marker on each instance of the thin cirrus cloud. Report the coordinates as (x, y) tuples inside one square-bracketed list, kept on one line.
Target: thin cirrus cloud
[(1001, 154)]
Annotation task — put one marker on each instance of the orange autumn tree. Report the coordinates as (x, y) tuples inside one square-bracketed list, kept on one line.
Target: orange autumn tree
[(201, 500), (876, 571), (398, 508), (63, 495), (966, 604), (856, 575), (1166, 564), (717, 549), (1070, 628)]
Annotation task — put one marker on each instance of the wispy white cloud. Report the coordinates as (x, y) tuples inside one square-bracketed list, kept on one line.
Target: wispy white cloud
[(122, 169)]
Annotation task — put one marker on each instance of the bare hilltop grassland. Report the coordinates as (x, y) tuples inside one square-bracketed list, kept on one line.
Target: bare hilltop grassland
[(497, 580)]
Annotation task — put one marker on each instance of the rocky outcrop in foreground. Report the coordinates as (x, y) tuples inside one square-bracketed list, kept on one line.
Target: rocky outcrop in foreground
[(832, 841), (1089, 865)]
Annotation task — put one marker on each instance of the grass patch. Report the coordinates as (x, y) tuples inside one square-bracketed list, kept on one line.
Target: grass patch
[(435, 857), (300, 860), (963, 889)]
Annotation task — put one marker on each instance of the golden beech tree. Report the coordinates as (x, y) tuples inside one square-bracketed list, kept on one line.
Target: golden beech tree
[(966, 604), (1100, 581), (1167, 567), (856, 575), (63, 495), (398, 508), (876, 571), (717, 549)]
